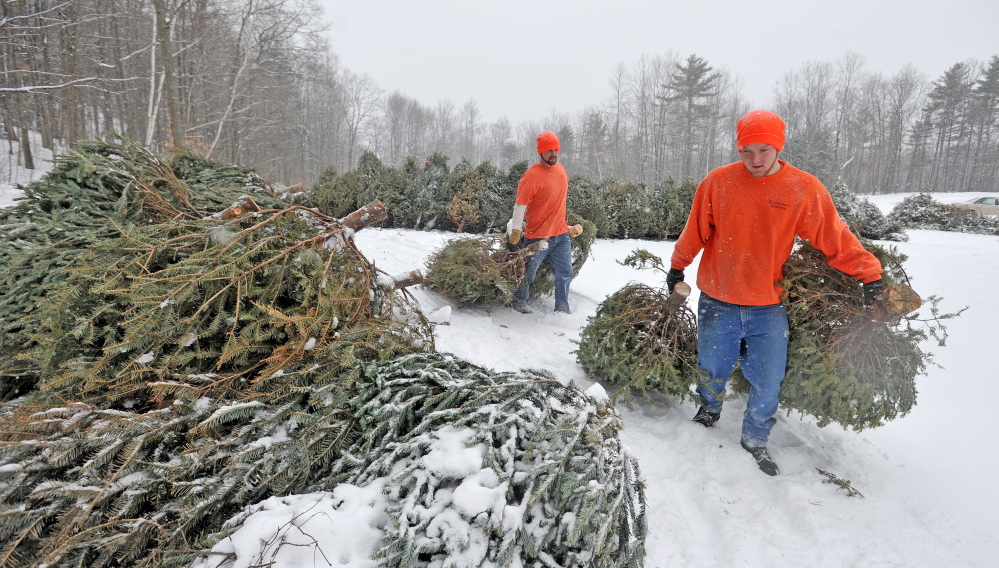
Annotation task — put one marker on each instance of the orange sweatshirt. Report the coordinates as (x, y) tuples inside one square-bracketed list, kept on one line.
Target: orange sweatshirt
[(746, 227), (543, 189)]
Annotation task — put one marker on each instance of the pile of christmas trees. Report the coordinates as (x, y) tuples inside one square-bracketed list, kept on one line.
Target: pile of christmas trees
[(90, 194), (191, 345)]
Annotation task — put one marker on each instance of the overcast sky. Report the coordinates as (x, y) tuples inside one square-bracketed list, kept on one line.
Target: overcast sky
[(523, 59)]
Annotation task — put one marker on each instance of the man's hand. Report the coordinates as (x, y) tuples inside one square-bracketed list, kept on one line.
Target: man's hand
[(872, 290), (515, 236), (672, 277), (575, 231)]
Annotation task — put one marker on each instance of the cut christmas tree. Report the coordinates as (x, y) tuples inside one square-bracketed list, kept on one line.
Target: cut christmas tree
[(485, 271), (848, 363), (477, 270), (641, 338), (90, 193)]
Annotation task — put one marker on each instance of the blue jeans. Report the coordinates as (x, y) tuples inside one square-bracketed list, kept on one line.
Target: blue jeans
[(755, 337), (559, 255)]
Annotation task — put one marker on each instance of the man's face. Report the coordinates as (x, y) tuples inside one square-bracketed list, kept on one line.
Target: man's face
[(759, 158), (549, 157)]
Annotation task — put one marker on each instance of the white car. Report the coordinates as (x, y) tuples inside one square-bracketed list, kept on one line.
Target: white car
[(983, 205)]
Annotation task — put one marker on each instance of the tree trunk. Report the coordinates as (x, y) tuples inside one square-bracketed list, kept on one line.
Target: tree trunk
[(23, 123), (369, 214), (175, 126)]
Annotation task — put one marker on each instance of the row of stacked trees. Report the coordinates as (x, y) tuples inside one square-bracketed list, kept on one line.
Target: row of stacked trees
[(479, 199), (255, 83)]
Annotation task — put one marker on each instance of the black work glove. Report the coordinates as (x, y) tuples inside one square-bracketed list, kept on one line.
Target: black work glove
[(872, 290), (672, 277)]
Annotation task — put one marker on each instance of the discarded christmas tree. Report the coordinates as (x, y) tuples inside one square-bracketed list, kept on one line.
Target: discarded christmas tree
[(484, 270), (641, 339), (81, 203), (848, 363), (561, 489)]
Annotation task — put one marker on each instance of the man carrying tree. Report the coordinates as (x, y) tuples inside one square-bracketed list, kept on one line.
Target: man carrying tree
[(541, 200), (745, 218)]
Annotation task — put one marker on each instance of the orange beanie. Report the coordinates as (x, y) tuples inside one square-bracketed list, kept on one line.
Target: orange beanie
[(547, 141), (760, 126)]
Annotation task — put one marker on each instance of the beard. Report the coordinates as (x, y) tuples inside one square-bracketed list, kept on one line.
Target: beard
[(551, 161)]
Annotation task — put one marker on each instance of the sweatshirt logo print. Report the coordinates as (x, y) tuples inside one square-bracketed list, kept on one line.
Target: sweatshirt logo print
[(778, 205)]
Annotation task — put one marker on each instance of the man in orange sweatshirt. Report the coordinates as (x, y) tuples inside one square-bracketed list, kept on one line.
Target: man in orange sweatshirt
[(745, 218), (541, 200)]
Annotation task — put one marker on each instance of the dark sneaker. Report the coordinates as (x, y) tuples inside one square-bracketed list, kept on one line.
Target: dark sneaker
[(522, 308), (707, 419), (763, 459)]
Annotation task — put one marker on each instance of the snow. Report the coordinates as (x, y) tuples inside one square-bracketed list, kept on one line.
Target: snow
[(924, 502), (928, 496), (450, 458), (339, 528), (13, 173), (146, 358)]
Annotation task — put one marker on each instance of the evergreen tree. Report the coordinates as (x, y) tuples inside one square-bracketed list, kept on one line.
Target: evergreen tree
[(464, 206), (563, 490), (630, 207), (426, 193), (476, 270), (986, 119), (948, 110), (496, 198), (921, 211), (844, 365), (688, 89), (863, 217), (673, 203), (90, 193), (637, 340), (586, 199)]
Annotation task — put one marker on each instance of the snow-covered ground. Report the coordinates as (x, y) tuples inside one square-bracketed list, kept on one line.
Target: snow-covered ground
[(929, 499), (13, 172), (929, 496)]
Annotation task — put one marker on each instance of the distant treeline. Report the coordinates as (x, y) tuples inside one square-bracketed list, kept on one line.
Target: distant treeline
[(256, 84)]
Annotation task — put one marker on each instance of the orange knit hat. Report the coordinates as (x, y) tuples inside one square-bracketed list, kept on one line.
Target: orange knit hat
[(760, 126), (547, 141)]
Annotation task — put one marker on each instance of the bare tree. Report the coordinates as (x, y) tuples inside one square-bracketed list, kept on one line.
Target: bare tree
[(165, 14), (361, 98)]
